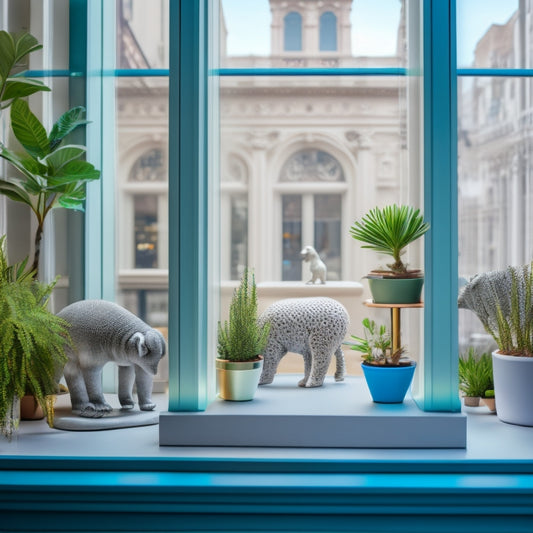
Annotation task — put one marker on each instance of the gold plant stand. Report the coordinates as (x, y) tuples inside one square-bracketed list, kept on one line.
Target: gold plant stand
[(395, 316)]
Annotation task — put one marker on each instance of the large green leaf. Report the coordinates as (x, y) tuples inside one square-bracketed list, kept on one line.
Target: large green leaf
[(7, 54), (20, 87), (30, 168), (25, 43), (73, 172), (28, 130), (66, 123), (14, 192), (60, 157)]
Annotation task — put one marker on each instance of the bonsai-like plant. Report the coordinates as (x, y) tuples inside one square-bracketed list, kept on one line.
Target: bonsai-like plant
[(32, 342), (376, 345), (475, 374), (503, 301), (50, 174), (389, 230), (242, 338)]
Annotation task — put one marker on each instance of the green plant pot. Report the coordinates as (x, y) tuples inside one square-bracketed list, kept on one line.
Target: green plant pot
[(238, 381), (396, 291)]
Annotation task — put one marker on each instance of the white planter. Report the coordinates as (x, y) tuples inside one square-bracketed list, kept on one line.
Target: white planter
[(513, 388)]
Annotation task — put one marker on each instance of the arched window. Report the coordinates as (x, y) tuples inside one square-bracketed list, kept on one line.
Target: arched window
[(328, 32), (292, 32), (312, 218)]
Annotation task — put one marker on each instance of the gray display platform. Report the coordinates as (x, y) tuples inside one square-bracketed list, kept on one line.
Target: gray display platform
[(336, 415)]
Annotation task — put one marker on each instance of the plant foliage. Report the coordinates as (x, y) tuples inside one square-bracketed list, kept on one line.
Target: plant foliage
[(389, 230), (376, 345), (242, 338), (475, 374), (50, 174), (503, 301), (32, 341)]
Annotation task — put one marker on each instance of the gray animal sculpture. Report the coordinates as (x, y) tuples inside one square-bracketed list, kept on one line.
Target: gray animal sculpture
[(103, 331), (317, 266), (312, 327)]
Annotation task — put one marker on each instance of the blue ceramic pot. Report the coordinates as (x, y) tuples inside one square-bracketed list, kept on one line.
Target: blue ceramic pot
[(388, 384)]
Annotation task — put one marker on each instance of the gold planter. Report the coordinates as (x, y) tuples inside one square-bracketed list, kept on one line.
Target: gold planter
[(238, 381)]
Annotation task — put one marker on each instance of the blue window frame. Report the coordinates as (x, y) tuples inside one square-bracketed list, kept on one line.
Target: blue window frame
[(292, 32), (328, 32)]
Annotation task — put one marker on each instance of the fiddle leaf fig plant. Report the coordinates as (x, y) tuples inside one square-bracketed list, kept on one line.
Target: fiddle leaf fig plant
[(50, 173)]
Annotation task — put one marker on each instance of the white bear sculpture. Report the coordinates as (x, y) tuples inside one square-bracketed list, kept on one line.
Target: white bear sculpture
[(103, 331), (312, 327)]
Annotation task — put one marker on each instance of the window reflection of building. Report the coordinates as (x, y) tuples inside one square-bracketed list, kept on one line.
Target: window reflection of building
[(328, 32), (292, 32)]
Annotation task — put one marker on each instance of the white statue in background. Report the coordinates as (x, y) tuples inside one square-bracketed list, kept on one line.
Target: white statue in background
[(317, 266)]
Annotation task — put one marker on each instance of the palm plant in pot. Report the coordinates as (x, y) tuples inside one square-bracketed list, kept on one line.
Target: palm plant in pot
[(503, 301), (32, 343), (388, 373), (390, 230), (241, 341)]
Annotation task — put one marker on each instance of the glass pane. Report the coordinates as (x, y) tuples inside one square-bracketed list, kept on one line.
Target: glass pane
[(495, 183), (263, 34), (239, 235), (142, 34), (487, 32), (328, 232), (146, 231), (292, 238)]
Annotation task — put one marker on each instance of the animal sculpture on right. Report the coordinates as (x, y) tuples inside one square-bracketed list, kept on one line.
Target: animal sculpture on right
[(317, 266)]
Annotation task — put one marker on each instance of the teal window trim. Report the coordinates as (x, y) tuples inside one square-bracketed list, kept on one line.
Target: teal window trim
[(188, 190), (100, 204), (439, 391)]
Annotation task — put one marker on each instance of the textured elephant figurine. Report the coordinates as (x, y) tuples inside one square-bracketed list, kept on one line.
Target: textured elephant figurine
[(101, 332), (312, 327)]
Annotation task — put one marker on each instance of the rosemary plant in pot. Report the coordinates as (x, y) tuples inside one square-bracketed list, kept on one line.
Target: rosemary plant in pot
[(388, 374), (389, 231), (241, 340), (503, 301), (32, 343)]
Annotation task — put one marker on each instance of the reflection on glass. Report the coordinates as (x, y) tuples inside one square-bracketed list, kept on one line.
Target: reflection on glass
[(292, 238), (328, 32), (292, 32), (495, 179), (146, 231), (328, 232), (239, 235)]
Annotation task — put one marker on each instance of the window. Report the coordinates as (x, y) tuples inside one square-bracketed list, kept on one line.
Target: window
[(292, 32), (328, 32)]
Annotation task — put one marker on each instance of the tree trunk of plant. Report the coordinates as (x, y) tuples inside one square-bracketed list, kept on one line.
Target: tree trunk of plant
[(37, 251)]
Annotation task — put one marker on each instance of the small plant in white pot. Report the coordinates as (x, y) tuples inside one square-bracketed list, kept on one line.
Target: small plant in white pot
[(388, 373), (389, 231), (241, 341), (503, 301)]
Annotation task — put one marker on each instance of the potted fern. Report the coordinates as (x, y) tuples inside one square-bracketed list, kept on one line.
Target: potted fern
[(389, 231), (503, 301), (475, 379), (32, 343), (388, 373), (50, 173), (241, 341)]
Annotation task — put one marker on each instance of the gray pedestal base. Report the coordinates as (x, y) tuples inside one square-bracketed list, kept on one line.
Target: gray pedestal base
[(336, 415)]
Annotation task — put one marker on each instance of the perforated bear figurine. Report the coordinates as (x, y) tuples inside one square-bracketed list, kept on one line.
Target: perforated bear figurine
[(312, 327), (103, 331)]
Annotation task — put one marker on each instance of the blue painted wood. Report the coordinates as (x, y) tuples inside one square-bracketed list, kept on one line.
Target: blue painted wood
[(391, 71), (188, 201), (495, 72), (440, 379)]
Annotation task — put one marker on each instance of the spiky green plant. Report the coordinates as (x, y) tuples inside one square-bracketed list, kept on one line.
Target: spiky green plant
[(389, 230), (503, 301), (242, 337), (32, 342), (475, 373), (50, 174), (376, 345)]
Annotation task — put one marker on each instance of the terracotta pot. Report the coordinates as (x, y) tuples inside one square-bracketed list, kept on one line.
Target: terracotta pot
[(471, 401), (30, 408), (490, 403)]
